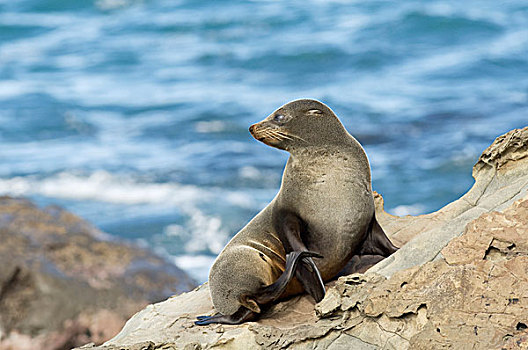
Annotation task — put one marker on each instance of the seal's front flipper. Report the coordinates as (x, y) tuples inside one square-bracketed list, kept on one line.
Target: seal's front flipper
[(272, 292), (359, 264), (376, 242), (240, 316), (291, 230), (376, 247)]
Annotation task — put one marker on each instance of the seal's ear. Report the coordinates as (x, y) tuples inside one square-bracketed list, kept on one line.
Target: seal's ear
[(315, 112)]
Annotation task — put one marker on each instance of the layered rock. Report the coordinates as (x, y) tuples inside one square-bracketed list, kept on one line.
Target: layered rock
[(64, 283), (460, 281)]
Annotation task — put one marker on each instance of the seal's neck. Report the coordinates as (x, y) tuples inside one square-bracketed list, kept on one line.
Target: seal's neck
[(343, 157), (342, 147)]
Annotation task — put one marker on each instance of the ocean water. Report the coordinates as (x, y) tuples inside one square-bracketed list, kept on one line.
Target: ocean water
[(134, 114)]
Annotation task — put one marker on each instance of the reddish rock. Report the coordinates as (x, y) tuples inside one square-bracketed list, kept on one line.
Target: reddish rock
[(64, 283)]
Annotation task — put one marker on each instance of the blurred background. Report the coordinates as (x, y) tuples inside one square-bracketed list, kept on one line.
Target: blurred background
[(134, 114)]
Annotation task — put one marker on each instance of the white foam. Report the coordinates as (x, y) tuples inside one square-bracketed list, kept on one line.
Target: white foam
[(249, 172), (37, 19), (201, 232), (12, 88), (402, 210), (196, 265), (210, 126), (240, 199), (112, 4), (101, 186)]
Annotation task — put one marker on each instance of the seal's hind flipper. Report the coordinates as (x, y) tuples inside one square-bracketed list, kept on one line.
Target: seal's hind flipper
[(265, 295), (308, 274), (240, 316), (272, 292), (376, 241), (290, 232)]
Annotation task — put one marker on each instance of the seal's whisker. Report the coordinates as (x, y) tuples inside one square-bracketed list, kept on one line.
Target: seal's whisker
[(275, 136), (283, 135), (269, 133), (266, 133), (272, 134), (289, 136), (261, 132)]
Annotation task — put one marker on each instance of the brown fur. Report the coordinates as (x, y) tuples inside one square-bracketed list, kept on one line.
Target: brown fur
[(326, 183)]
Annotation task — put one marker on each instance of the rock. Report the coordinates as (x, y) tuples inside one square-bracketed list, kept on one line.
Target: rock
[(459, 281), (501, 177), (64, 283)]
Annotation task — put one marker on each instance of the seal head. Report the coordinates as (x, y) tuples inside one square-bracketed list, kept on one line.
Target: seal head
[(300, 124)]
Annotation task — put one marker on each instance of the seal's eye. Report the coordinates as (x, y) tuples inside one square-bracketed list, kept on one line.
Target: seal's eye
[(279, 118), (316, 112)]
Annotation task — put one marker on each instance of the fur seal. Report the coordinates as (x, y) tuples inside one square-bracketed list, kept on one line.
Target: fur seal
[(324, 210)]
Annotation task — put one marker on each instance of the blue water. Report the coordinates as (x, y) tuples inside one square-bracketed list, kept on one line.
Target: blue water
[(134, 114)]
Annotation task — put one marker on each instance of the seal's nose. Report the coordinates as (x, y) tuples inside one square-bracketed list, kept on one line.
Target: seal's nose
[(252, 129)]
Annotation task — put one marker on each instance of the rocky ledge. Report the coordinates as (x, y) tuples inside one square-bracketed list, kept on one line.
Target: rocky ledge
[(64, 283), (460, 281)]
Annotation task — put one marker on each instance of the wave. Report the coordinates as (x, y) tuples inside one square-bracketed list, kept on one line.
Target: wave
[(196, 231), (196, 265), (104, 186)]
